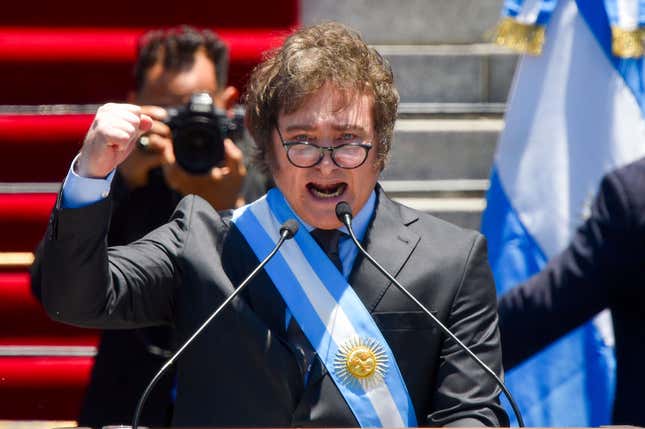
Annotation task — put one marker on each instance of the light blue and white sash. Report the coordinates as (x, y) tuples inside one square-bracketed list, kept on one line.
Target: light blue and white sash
[(330, 314)]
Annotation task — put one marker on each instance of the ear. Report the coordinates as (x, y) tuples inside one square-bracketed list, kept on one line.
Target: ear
[(229, 96)]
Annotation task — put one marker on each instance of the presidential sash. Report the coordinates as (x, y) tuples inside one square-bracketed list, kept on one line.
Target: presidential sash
[(331, 315)]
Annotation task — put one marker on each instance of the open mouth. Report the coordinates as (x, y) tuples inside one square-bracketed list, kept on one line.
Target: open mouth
[(332, 190)]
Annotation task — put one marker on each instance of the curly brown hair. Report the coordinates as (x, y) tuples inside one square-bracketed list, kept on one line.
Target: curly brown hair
[(308, 59)]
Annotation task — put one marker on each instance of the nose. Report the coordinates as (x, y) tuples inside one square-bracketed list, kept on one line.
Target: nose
[(326, 164)]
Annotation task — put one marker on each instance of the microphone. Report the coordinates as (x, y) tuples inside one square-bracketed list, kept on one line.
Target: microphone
[(287, 231), (344, 214)]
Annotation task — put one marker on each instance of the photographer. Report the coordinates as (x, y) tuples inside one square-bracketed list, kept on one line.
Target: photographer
[(176, 71), (171, 67)]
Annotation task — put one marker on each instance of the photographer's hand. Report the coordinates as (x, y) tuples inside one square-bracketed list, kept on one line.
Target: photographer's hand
[(158, 150), (220, 187), (111, 138)]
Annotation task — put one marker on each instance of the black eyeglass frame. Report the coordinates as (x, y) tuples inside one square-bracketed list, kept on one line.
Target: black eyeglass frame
[(321, 151)]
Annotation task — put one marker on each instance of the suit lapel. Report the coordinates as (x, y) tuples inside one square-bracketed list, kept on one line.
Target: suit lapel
[(390, 242)]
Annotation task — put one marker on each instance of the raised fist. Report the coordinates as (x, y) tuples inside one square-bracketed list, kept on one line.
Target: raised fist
[(111, 137)]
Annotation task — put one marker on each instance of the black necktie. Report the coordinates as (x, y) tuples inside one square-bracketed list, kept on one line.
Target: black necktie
[(328, 241)]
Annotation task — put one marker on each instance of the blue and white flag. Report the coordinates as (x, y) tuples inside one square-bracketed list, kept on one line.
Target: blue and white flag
[(627, 19), (574, 113), (523, 23)]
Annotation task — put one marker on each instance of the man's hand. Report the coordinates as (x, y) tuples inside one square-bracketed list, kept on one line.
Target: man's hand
[(157, 152), (110, 139), (220, 187)]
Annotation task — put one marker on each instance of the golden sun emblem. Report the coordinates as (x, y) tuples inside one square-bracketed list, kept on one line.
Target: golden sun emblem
[(362, 361)]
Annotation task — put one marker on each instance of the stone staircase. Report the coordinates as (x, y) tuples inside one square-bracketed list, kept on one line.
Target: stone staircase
[(453, 87)]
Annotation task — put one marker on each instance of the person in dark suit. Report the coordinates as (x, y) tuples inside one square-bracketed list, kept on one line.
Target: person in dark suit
[(171, 65), (602, 268), (319, 337)]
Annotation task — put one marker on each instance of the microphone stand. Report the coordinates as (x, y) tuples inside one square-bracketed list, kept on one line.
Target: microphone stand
[(343, 212), (287, 231)]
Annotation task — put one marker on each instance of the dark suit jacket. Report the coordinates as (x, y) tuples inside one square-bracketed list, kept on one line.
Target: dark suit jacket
[(241, 371), (134, 214), (127, 359), (603, 267)]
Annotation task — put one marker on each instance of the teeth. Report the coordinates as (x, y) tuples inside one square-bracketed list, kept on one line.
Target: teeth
[(339, 190)]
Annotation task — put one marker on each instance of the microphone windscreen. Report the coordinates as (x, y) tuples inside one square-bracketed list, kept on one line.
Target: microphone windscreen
[(343, 209), (291, 227)]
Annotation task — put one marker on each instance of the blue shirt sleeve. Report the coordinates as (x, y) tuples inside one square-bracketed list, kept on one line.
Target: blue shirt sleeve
[(79, 191)]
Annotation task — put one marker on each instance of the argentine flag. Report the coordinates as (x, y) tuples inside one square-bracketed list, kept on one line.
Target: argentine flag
[(575, 112)]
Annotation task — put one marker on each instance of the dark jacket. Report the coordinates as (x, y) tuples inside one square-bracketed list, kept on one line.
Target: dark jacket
[(242, 371), (127, 359)]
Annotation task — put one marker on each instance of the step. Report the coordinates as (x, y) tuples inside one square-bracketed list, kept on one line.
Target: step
[(23, 220), (458, 201), (12, 262), (36, 424), (459, 143), (38, 147), (45, 44), (43, 387), (40, 65), (27, 324), (148, 13), (465, 212), (406, 109), (438, 110), (477, 73), (409, 21), (459, 188), (433, 149)]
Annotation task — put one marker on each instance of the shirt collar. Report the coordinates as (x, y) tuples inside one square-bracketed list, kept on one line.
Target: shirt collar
[(360, 222)]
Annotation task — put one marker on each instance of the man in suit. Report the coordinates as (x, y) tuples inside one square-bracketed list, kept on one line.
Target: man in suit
[(319, 337), (171, 66), (602, 268)]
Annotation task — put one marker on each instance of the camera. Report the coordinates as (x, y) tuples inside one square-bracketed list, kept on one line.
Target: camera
[(198, 132)]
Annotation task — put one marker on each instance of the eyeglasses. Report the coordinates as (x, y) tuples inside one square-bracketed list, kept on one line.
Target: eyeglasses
[(304, 154)]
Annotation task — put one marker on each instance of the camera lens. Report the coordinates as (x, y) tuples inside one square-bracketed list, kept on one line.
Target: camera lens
[(198, 132), (198, 146)]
